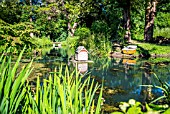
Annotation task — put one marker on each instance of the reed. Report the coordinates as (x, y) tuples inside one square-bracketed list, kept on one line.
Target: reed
[(66, 94), (12, 84), (61, 93)]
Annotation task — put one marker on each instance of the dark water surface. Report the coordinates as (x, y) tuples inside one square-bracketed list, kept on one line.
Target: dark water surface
[(122, 77)]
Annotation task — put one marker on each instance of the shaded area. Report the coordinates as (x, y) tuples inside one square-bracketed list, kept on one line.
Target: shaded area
[(143, 53)]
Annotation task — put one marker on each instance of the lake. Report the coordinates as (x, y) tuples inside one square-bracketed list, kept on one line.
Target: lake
[(122, 77)]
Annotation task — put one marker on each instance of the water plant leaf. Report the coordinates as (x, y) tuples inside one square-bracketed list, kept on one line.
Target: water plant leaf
[(167, 111), (18, 83), (159, 98), (117, 113), (12, 84), (98, 109)]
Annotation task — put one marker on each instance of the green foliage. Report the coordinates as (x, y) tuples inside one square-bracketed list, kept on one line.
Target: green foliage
[(83, 33), (12, 84), (152, 49), (60, 30), (65, 94), (10, 11), (134, 107), (26, 13), (112, 19), (2, 23), (162, 20), (71, 42), (74, 9), (95, 43), (162, 23), (99, 27), (137, 20), (50, 22), (18, 35), (40, 42), (167, 111), (163, 6), (104, 18), (164, 32), (99, 44), (165, 87)]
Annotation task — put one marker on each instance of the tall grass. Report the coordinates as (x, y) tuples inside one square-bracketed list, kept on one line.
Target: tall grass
[(66, 94), (61, 93), (12, 84)]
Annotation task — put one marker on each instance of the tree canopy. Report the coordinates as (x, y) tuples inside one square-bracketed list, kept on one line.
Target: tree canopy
[(116, 20)]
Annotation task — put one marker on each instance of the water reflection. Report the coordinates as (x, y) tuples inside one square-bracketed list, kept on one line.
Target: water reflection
[(128, 74), (82, 68), (122, 75), (127, 65), (147, 80)]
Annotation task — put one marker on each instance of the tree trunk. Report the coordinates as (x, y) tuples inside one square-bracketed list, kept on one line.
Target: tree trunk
[(146, 80), (126, 20), (71, 29), (149, 20)]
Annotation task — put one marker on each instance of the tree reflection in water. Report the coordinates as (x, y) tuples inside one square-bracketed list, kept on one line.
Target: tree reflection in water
[(146, 80)]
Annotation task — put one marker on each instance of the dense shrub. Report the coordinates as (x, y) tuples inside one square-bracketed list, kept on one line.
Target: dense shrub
[(162, 20), (83, 32), (99, 27), (162, 25)]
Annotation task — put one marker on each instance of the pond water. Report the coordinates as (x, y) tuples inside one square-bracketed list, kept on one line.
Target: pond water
[(128, 75), (122, 77)]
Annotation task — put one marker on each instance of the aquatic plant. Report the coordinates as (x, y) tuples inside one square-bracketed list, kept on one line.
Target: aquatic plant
[(165, 87), (135, 107), (68, 93), (65, 94), (13, 84)]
